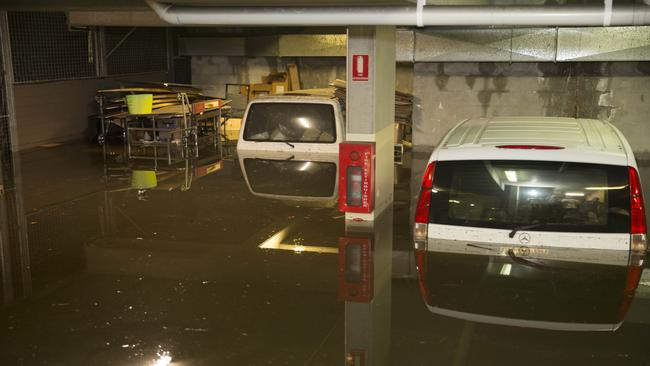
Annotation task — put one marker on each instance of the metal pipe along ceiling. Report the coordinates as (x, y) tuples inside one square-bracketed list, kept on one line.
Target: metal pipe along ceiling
[(403, 15)]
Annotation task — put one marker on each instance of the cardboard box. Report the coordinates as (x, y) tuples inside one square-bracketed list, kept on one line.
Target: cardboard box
[(257, 90), (279, 87)]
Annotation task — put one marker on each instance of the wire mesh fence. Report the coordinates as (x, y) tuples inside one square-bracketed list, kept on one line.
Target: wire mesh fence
[(43, 48), (135, 50)]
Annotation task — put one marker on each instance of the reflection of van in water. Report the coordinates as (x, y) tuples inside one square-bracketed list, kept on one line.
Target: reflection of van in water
[(292, 123), (534, 183), (299, 177), (558, 289)]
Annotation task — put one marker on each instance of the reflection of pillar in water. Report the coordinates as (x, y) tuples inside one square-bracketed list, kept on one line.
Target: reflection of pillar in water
[(365, 272)]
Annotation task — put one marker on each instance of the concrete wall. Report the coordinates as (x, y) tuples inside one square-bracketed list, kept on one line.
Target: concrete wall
[(446, 93), (58, 111), (212, 73)]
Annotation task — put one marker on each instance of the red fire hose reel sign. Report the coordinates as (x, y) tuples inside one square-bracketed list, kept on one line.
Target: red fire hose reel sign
[(356, 177), (360, 67)]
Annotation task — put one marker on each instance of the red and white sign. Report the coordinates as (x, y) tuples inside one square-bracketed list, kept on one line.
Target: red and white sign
[(360, 67)]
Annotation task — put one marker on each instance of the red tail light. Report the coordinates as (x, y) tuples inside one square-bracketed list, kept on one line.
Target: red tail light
[(531, 147), (637, 209), (422, 211), (421, 227), (427, 179)]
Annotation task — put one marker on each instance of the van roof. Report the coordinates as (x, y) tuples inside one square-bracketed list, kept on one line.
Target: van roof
[(288, 98), (581, 140)]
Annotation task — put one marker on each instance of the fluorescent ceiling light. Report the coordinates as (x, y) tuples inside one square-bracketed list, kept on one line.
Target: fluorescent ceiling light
[(303, 122), (574, 194), (604, 188)]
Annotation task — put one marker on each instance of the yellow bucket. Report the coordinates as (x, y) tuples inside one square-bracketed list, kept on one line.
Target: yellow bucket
[(139, 103), (143, 179)]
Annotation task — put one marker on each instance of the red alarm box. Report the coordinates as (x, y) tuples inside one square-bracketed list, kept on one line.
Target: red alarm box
[(356, 177)]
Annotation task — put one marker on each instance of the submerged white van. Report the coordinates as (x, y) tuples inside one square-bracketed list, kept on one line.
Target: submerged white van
[(532, 183), (292, 123)]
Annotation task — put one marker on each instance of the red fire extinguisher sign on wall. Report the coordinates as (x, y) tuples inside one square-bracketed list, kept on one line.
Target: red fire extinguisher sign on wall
[(360, 67)]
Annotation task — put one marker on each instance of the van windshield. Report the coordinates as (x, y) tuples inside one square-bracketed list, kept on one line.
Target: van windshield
[(290, 122), (552, 196)]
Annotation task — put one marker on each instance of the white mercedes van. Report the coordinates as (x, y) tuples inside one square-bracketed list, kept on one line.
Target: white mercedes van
[(532, 183), (292, 123)]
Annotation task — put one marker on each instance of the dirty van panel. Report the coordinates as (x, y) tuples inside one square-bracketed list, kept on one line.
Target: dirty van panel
[(291, 178), (290, 122), (554, 196)]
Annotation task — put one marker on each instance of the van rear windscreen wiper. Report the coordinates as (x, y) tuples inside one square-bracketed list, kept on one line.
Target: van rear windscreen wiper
[(525, 227), (290, 144)]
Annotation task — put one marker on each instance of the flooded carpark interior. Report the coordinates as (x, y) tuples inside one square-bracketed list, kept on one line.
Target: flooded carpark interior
[(198, 268)]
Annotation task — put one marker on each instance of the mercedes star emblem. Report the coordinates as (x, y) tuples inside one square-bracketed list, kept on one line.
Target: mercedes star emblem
[(524, 238)]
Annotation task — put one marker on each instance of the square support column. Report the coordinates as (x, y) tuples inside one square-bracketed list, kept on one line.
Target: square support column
[(370, 108)]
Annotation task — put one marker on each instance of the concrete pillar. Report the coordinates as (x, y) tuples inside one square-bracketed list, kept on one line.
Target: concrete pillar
[(370, 106)]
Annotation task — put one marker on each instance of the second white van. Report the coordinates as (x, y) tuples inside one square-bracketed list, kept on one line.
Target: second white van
[(529, 184)]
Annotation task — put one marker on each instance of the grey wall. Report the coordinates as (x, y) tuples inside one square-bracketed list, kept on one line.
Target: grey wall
[(446, 93), (213, 72), (58, 111)]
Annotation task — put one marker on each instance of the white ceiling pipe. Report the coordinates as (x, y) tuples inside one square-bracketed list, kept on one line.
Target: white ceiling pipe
[(402, 15)]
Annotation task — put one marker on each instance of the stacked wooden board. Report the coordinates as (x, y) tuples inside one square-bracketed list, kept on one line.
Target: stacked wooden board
[(166, 98), (403, 102)]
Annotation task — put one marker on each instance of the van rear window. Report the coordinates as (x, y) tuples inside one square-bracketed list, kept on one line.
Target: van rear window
[(290, 122), (553, 196)]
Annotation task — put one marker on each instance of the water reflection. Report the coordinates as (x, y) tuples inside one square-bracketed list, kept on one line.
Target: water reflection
[(553, 288), (305, 178), (142, 177), (365, 282)]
